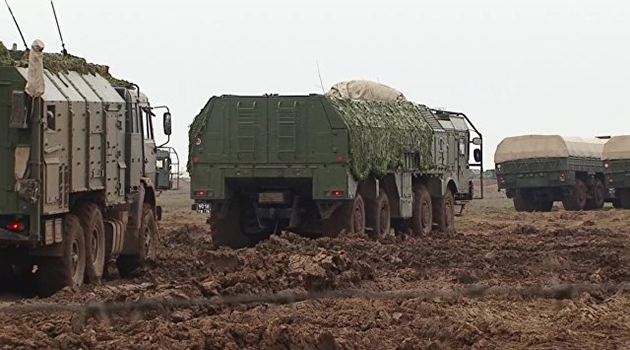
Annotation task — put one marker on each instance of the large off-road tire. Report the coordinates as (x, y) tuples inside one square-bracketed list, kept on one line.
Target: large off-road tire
[(227, 231), (94, 229), (147, 250), (598, 196), (444, 211), (55, 273), (576, 201), (523, 201), (422, 212), (545, 206), (624, 198), (349, 218), (379, 216)]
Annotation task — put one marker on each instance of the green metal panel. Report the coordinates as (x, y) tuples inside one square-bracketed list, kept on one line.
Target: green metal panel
[(10, 81)]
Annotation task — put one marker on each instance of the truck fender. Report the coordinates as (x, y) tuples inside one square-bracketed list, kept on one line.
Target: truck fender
[(449, 182)]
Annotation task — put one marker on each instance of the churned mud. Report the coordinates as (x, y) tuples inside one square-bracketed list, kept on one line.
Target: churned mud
[(494, 247)]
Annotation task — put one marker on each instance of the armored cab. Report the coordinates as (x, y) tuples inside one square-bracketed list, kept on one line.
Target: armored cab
[(616, 157), (326, 165), (77, 182), (538, 170)]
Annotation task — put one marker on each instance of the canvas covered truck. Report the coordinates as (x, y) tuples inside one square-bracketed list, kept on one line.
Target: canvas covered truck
[(318, 164), (78, 174), (616, 157), (538, 170)]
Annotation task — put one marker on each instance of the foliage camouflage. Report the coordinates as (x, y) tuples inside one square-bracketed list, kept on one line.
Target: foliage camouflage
[(56, 63), (381, 133)]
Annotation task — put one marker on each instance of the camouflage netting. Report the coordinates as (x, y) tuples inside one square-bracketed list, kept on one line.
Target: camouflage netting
[(56, 63), (381, 133)]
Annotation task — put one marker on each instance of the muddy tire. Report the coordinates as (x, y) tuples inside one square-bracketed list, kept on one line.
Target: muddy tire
[(624, 198), (55, 273), (379, 217), (349, 218), (577, 200), (545, 206), (598, 193), (227, 231), (147, 250), (444, 211), (422, 212), (523, 201), (94, 229)]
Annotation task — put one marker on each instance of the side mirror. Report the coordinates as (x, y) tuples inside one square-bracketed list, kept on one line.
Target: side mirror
[(167, 124), (477, 141), (478, 155)]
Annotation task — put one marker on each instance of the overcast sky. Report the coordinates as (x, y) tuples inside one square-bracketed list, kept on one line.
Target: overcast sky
[(514, 67)]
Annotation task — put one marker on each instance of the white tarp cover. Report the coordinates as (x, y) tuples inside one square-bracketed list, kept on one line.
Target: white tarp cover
[(547, 146), (365, 91), (35, 85), (617, 148)]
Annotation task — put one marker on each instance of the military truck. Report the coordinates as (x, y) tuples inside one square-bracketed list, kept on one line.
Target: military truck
[(77, 185), (317, 164), (616, 157), (538, 170)]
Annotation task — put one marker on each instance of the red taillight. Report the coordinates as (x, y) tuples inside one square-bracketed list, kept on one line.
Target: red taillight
[(337, 193), (501, 179), (196, 159), (562, 177), (16, 227), (339, 159), (200, 193)]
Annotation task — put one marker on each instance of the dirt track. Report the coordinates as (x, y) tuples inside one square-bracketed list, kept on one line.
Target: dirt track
[(495, 246)]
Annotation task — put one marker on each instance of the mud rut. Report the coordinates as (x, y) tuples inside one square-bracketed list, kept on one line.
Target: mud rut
[(495, 246)]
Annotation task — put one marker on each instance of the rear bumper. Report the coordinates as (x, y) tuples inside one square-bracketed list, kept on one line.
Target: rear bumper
[(13, 238)]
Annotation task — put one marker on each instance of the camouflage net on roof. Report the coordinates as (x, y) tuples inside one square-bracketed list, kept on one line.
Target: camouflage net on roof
[(57, 63), (380, 133)]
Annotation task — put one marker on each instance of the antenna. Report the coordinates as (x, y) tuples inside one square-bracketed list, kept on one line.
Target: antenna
[(321, 82), (17, 25), (63, 45)]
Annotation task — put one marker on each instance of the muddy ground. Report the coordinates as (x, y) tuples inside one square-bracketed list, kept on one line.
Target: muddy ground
[(494, 246)]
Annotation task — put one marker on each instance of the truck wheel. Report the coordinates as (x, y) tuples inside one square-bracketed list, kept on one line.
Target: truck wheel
[(545, 206), (624, 198), (422, 213), (577, 200), (148, 237), (523, 201), (444, 211), (379, 217), (598, 196), (55, 273), (94, 229), (227, 232), (348, 218)]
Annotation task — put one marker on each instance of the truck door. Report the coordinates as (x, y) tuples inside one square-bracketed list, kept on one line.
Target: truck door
[(150, 166)]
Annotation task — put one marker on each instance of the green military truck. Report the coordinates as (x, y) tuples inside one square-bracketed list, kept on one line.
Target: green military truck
[(319, 164), (616, 157), (77, 182), (538, 170)]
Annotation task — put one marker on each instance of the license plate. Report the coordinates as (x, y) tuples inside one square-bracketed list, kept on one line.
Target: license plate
[(271, 197), (204, 208)]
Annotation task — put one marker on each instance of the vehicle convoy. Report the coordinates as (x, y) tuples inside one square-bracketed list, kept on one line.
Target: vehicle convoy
[(77, 183), (616, 157), (360, 159), (538, 170)]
